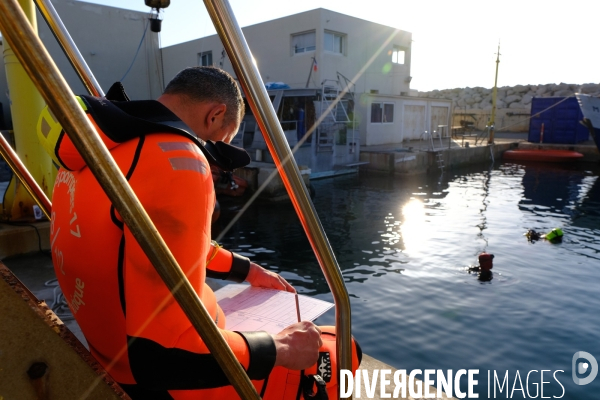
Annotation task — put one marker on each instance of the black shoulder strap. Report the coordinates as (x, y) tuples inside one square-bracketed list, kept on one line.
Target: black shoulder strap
[(117, 93), (307, 382)]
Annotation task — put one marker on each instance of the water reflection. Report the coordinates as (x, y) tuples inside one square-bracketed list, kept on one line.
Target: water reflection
[(375, 224), (588, 203), (551, 190), (414, 227), (404, 244), (380, 225)]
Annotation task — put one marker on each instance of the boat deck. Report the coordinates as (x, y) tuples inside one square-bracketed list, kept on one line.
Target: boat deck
[(36, 272)]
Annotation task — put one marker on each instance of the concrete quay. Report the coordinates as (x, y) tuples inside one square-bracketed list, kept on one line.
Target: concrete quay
[(416, 162), (417, 157)]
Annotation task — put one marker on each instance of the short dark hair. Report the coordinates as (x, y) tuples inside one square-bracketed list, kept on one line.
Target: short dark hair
[(209, 84)]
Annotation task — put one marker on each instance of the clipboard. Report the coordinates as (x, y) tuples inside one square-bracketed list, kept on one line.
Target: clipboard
[(249, 308)]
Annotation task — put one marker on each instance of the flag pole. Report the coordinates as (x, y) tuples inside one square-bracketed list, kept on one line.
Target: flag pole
[(314, 60)]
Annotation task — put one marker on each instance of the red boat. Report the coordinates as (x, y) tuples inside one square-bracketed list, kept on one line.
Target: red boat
[(542, 155)]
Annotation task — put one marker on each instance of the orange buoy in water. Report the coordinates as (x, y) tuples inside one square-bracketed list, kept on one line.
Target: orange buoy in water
[(485, 261)]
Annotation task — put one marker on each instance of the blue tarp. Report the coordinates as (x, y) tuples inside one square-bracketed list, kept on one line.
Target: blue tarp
[(276, 85), (560, 117)]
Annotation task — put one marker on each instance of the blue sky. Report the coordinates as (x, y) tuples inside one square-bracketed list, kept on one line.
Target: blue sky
[(454, 42)]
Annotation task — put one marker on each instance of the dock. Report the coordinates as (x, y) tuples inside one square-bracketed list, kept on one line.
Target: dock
[(420, 156)]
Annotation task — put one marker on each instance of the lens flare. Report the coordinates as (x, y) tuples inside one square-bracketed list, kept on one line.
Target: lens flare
[(387, 67)]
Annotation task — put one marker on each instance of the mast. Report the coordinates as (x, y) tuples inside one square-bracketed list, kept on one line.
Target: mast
[(494, 94)]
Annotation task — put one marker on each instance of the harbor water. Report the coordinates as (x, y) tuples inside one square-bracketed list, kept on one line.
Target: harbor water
[(404, 245)]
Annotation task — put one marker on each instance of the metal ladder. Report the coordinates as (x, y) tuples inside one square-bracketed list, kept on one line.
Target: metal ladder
[(439, 159), (336, 100), (439, 155)]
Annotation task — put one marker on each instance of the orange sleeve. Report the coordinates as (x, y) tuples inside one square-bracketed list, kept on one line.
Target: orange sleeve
[(224, 264)]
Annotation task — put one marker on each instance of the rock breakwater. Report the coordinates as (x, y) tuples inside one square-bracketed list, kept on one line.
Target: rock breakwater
[(511, 97)]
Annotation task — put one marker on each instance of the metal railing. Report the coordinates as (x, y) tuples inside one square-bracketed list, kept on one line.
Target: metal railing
[(68, 45), (63, 37), (241, 58), (20, 170), (57, 94)]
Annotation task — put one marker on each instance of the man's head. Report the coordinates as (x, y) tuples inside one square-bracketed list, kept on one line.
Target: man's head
[(208, 100)]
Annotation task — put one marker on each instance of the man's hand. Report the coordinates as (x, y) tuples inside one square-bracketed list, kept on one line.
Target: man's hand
[(298, 345), (260, 277)]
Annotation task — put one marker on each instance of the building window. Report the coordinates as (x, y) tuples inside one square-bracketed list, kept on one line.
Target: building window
[(205, 59), (382, 113), (303, 42), (388, 113), (398, 55), (334, 42)]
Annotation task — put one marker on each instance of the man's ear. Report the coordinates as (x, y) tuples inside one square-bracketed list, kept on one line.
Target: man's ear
[(216, 114)]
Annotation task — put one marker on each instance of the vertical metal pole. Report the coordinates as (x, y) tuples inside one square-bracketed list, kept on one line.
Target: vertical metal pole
[(68, 45), (354, 147), (26, 105), (241, 58), (310, 72), (21, 172), (494, 93), (44, 73)]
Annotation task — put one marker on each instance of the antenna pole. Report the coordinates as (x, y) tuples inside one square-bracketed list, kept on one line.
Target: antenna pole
[(310, 73), (494, 95)]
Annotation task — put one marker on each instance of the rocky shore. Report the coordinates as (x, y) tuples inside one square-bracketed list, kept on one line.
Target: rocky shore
[(511, 97)]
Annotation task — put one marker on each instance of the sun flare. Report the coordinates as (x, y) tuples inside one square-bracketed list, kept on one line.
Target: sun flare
[(413, 227)]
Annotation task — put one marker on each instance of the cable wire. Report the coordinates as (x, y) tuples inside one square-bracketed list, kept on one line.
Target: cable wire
[(137, 51)]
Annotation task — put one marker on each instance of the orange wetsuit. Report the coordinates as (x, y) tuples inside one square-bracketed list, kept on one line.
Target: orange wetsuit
[(133, 325)]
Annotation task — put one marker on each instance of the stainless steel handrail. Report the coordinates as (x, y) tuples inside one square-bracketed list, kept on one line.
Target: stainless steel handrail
[(45, 75), (20, 170), (241, 58), (68, 45)]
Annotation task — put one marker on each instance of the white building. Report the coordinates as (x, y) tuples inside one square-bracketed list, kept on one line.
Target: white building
[(319, 48)]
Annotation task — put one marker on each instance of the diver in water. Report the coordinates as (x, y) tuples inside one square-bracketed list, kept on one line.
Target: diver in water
[(554, 236), (532, 235)]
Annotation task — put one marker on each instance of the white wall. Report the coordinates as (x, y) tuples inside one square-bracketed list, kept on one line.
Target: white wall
[(108, 38)]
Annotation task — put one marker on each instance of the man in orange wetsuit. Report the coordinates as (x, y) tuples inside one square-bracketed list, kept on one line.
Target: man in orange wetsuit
[(133, 325)]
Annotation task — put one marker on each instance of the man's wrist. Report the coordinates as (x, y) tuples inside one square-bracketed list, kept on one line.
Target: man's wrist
[(240, 267), (263, 353)]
